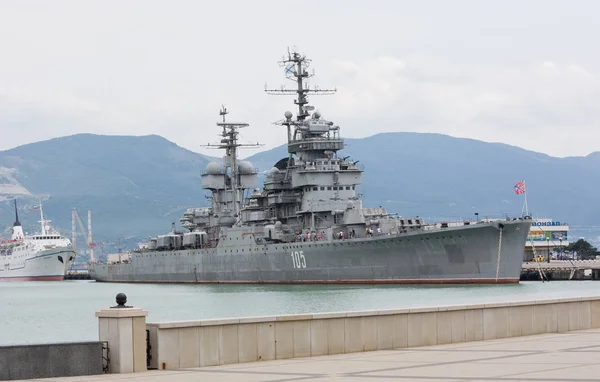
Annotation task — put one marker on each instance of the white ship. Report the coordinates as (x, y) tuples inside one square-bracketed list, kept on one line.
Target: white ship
[(45, 256)]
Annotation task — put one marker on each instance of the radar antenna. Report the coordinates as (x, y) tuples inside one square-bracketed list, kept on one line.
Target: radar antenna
[(223, 112), (230, 134), (296, 66), (230, 144)]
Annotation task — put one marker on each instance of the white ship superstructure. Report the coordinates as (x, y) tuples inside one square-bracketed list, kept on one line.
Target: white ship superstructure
[(45, 256)]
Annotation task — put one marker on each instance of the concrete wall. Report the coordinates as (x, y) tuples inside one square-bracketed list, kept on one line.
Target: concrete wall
[(50, 360), (215, 342)]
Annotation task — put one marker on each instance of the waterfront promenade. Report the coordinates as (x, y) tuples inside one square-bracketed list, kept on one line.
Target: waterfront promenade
[(555, 357)]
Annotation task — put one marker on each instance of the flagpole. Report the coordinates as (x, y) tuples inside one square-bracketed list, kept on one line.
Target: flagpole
[(525, 207), (520, 188)]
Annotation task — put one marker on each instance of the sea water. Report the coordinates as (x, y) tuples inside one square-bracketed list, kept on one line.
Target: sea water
[(43, 312)]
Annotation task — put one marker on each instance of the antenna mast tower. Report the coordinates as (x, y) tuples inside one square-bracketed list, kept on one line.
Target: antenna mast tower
[(229, 142), (296, 66)]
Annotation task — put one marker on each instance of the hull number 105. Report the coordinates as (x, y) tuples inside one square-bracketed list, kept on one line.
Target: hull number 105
[(298, 259)]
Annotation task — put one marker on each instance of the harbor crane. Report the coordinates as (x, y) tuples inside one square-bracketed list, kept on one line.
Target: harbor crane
[(75, 218)]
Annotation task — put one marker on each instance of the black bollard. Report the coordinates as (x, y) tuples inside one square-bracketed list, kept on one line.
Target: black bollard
[(121, 300)]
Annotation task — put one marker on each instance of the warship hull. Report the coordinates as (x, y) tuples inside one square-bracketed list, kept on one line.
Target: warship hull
[(476, 253)]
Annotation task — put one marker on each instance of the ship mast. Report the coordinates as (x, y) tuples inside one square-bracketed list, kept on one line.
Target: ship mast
[(42, 220), (296, 66), (230, 144)]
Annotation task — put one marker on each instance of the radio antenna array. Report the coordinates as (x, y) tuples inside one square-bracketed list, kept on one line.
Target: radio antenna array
[(296, 66), (229, 135)]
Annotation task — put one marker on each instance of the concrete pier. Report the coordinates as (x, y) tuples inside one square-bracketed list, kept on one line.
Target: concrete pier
[(481, 341), (188, 344), (556, 357), (561, 270)]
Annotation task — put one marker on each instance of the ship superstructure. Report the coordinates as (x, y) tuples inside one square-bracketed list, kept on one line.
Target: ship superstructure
[(310, 193), (308, 224), (45, 256)]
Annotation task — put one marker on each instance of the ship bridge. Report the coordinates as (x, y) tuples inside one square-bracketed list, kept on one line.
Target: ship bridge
[(313, 137)]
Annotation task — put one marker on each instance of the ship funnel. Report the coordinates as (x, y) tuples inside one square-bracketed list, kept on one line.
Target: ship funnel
[(17, 230), (17, 222)]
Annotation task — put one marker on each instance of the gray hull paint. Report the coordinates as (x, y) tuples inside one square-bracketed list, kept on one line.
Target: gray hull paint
[(466, 254)]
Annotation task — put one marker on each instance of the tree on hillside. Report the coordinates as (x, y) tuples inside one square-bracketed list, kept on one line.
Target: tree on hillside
[(582, 249)]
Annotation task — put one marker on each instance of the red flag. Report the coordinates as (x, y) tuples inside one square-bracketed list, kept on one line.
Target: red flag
[(520, 188)]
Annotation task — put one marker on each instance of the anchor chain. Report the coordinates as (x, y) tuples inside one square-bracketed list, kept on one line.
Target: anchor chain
[(499, 253)]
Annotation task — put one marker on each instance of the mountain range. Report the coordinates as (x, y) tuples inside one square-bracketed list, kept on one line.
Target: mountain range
[(136, 186)]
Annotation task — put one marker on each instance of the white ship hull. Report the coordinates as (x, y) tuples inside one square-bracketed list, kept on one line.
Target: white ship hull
[(48, 265)]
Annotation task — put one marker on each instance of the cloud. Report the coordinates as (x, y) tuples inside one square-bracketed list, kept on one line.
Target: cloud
[(545, 107), (470, 69)]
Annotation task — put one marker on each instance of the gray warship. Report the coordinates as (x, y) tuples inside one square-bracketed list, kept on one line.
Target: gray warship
[(308, 224)]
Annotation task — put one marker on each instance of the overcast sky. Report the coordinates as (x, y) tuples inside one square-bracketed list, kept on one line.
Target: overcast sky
[(519, 72)]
